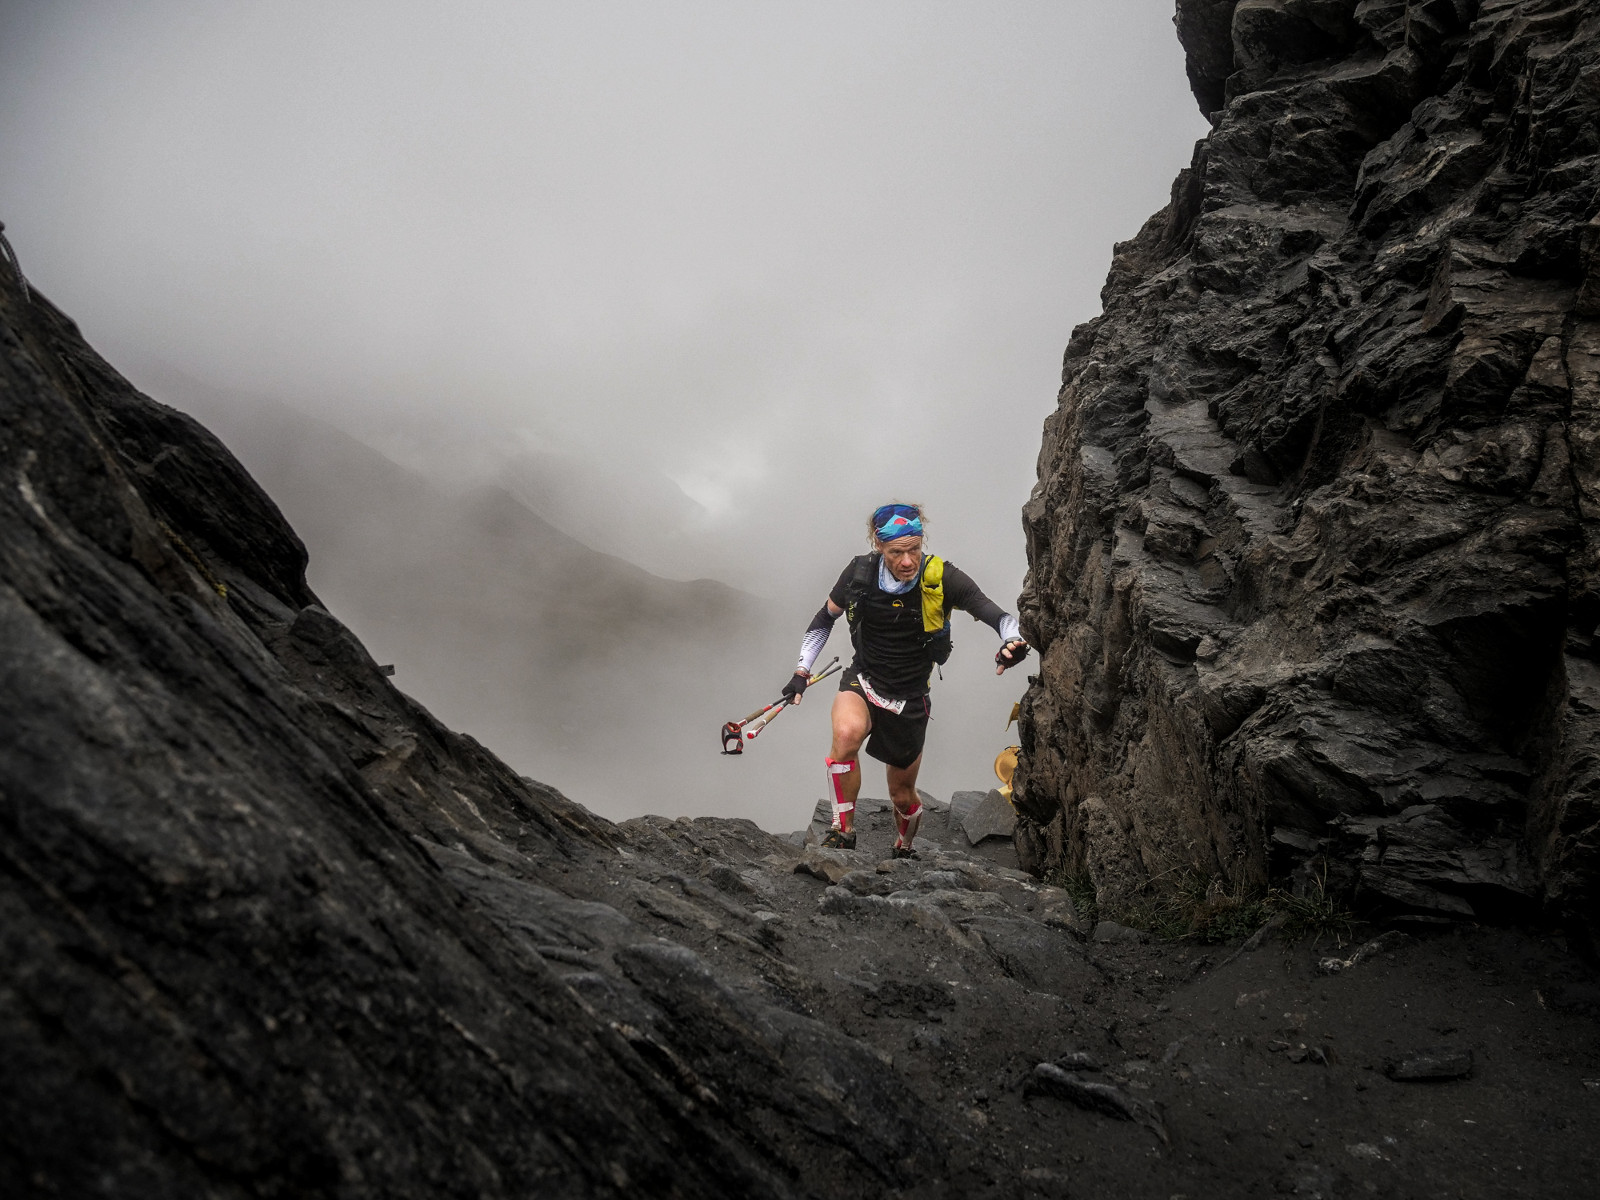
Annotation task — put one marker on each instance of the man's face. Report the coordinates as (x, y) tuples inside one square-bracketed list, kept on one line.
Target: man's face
[(904, 557)]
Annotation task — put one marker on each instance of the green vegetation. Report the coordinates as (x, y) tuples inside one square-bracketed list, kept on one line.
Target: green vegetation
[(1198, 906), (1316, 916), (1081, 888)]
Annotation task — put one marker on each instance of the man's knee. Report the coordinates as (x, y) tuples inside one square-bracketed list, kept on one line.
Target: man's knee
[(903, 786), (848, 734)]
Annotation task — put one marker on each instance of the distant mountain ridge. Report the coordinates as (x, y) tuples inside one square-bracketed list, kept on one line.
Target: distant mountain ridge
[(502, 624)]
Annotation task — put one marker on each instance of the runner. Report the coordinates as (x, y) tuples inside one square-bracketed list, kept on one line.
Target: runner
[(899, 602)]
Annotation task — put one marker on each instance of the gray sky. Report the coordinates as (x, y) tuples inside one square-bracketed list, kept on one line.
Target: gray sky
[(797, 258)]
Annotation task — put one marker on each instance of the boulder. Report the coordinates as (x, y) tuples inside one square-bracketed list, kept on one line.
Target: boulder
[(993, 816), (962, 803), (270, 928)]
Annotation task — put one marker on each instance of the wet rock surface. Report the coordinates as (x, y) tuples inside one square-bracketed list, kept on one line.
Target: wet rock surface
[(1313, 547)]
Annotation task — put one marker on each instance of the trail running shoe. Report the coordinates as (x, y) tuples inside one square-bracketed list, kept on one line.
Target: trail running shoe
[(903, 852), (837, 839)]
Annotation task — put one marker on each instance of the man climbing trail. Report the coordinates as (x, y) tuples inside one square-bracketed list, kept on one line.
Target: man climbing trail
[(898, 602)]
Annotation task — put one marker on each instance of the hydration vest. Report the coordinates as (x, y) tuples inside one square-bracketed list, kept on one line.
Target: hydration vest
[(936, 639)]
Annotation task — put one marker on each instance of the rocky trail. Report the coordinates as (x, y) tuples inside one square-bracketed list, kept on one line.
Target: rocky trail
[(1051, 1057)]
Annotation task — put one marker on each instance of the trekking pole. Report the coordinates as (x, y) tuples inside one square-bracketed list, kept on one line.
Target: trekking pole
[(768, 715), (735, 733)]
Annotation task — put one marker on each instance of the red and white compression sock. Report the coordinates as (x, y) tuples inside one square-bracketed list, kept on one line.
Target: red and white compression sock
[(906, 824), (844, 807)]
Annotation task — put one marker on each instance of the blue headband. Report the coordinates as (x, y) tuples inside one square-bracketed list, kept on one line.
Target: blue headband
[(897, 521)]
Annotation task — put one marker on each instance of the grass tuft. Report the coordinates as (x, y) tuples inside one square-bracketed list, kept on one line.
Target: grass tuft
[(1080, 887), (1317, 915), (1198, 906)]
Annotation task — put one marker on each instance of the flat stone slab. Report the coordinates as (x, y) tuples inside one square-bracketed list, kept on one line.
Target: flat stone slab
[(1433, 1065), (830, 865), (963, 803), (992, 816)]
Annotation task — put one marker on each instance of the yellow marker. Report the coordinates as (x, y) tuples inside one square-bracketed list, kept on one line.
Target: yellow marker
[(1016, 712), (1005, 766)]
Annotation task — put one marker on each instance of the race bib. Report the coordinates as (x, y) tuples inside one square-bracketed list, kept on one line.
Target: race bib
[(895, 706)]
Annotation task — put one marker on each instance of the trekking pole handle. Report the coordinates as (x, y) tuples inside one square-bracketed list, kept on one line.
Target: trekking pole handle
[(757, 713), (825, 672)]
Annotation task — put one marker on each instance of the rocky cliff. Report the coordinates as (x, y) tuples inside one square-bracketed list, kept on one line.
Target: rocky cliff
[(1315, 545), (270, 930)]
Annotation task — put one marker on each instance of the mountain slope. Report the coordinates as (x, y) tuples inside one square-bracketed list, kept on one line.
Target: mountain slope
[(238, 963)]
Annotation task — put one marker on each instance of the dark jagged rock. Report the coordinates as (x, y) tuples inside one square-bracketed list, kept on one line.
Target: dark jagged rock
[(1315, 546), (269, 929)]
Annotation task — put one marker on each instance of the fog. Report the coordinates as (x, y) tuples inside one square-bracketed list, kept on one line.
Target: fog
[(698, 284)]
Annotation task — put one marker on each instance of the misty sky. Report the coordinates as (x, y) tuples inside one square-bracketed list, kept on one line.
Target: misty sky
[(797, 258)]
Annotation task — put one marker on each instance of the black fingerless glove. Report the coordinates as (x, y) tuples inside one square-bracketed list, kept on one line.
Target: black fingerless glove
[(796, 685), (1018, 650)]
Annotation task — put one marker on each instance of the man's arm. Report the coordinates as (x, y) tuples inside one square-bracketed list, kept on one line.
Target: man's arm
[(961, 592), (817, 637)]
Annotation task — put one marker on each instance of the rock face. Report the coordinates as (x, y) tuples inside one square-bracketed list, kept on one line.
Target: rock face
[(269, 929), (1315, 546)]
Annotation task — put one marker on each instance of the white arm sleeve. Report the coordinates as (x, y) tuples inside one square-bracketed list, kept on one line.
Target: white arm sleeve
[(816, 638)]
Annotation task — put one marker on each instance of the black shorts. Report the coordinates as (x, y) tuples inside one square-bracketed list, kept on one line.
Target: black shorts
[(896, 738)]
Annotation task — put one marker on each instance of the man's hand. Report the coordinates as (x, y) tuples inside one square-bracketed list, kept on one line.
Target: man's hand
[(1010, 655), (795, 688)]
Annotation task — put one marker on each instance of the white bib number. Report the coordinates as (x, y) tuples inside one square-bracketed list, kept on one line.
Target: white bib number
[(895, 706)]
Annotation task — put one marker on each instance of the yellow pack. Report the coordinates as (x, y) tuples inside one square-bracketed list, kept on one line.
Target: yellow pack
[(933, 594)]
